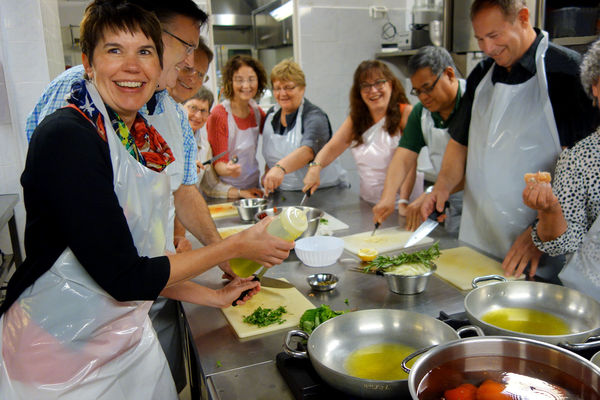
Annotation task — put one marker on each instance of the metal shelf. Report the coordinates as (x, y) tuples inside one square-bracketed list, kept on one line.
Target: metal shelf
[(574, 41)]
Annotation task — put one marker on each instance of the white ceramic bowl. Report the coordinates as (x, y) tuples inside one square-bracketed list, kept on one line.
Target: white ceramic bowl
[(319, 251)]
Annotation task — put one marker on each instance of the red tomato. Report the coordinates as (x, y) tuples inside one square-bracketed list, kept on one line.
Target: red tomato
[(466, 391), (491, 390)]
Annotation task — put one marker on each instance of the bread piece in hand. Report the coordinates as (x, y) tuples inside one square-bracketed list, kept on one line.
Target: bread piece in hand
[(538, 177)]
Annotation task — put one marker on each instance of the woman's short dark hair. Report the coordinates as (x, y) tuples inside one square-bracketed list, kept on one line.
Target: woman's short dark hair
[(116, 15), (235, 63), (203, 94), (359, 112)]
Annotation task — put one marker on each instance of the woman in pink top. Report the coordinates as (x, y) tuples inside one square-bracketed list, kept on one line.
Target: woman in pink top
[(235, 124)]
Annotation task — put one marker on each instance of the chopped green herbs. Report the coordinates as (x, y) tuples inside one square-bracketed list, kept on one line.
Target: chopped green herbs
[(265, 316), (347, 302), (324, 221), (316, 316), (424, 257), (219, 365)]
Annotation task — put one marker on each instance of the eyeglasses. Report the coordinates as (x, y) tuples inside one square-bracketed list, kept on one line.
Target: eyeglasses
[(194, 110), (188, 71), (189, 48), (286, 89), (426, 89), (378, 85), (240, 81)]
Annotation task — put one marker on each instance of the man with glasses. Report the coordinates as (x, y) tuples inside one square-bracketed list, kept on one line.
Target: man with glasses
[(434, 81), (522, 105), (190, 79)]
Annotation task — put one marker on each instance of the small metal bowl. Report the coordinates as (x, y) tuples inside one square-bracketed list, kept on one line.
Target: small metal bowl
[(322, 282), (408, 284), (247, 208)]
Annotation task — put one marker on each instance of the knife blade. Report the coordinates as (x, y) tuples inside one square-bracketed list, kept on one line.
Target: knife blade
[(377, 224), (306, 195), (215, 158), (425, 228)]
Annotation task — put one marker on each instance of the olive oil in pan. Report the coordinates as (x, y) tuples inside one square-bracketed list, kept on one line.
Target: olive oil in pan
[(526, 320), (381, 362)]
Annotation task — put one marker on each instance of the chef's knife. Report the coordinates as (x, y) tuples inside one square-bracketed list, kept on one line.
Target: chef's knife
[(266, 282), (306, 195), (377, 224), (215, 158), (425, 228)]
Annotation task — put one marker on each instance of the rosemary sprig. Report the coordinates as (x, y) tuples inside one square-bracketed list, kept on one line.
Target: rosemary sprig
[(425, 257)]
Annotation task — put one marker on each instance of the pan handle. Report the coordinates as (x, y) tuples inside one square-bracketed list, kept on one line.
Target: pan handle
[(288, 343), (487, 278), (470, 328), (413, 355), (592, 343)]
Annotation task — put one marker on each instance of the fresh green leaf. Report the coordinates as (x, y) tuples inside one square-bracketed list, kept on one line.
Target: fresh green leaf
[(282, 198), (219, 365), (265, 316), (316, 316), (424, 257), (324, 221), (347, 301)]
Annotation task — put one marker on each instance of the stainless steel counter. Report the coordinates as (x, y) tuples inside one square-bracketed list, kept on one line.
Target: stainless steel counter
[(237, 369)]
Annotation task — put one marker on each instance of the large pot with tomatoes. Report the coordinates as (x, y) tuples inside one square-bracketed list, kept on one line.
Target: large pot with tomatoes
[(502, 368)]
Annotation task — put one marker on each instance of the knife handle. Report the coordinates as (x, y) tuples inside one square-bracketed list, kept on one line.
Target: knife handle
[(435, 214), (245, 292)]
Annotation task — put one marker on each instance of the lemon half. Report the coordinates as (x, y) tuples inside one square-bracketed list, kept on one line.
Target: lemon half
[(367, 254)]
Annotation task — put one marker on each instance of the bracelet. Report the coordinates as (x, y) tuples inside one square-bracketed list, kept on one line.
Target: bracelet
[(314, 164), (280, 167), (402, 201)]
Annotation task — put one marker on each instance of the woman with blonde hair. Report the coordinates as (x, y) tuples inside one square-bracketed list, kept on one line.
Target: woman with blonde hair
[(379, 110), (295, 130)]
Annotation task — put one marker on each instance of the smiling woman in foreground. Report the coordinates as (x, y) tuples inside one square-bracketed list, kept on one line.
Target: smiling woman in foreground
[(75, 320)]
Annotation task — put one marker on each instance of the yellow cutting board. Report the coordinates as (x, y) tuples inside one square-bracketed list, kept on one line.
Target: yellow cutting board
[(222, 210), (384, 240), (460, 265), (293, 301)]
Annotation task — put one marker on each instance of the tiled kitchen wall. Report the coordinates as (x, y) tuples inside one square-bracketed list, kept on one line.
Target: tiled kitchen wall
[(334, 36), (30, 56)]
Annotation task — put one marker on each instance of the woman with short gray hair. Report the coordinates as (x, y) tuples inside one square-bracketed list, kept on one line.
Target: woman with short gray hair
[(568, 220)]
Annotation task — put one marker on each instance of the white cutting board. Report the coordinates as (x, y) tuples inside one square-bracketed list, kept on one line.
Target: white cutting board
[(333, 224), (232, 230), (384, 240), (294, 302), (460, 265)]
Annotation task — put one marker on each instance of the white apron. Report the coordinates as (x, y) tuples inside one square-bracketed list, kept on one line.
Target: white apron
[(66, 338), (373, 157), (582, 270), (168, 125), (242, 143), (203, 150), (512, 132), (275, 147), (436, 140)]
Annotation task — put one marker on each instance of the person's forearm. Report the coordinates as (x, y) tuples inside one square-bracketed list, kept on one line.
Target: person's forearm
[(409, 183), (296, 159), (551, 224), (179, 230), (192, 211), (191, 292), (221, 168), (453, 167), (399, 167)]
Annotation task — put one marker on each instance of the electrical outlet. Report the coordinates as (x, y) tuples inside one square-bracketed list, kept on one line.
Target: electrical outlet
[(377, 12)]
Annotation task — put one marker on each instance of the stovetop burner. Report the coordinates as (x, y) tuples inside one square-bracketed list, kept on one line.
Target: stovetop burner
[(305, 383)]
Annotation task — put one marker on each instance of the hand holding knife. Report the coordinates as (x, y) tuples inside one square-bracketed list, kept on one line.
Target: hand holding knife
[(215, 158)]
